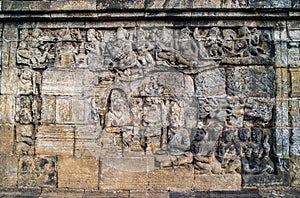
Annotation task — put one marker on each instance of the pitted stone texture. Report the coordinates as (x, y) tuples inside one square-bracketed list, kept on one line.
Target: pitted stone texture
[(6, 139), (37, 171), (120, 4), (77, 173), (179, 179), (7, 107), (125, 173), (227, 182), (8, 170), (55, 140)]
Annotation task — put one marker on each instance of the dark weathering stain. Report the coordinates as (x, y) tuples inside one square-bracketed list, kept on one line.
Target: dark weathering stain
[(110, 4)]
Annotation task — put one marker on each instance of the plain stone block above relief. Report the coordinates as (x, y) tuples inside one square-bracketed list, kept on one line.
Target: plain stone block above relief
[(93, 5)]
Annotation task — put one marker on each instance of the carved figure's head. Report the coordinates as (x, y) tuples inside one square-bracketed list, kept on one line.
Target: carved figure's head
[(26, 74), (228, 135), (244, 134), (199, 134), (91, 35), (121, 33), (256, 134), (140, 34)]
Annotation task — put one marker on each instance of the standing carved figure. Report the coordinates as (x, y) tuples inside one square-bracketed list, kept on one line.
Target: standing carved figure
[(95, 48), (143, 48)]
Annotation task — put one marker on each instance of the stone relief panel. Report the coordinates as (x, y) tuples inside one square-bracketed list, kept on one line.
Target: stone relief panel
[(187, 97)]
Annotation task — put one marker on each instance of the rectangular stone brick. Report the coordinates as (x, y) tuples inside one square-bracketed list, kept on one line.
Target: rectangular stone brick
[(48, 109), (72, 111), (282, 145), (206, 3), (125, 173), (226, 182), (8, 170), (294, 113), (178, 179), (295, 139), (282, 116), (6, 139), (103, 194), (282, 83), (55, 140), (62, 82), (77, 173), (7, 108), (26, 5), (87, 143), (62, 193), (295, 81), (108, 4), (73, 5), (37, 171)]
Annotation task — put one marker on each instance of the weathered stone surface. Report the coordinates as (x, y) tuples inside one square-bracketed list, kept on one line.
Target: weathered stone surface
[(37, 171), (9, 170), (149, 98), (6, 139), (227, 182), (121, 4), (125, 173), (180, 179), (55, 140), (27, 5), (295, 75), (7, 107), (77, 173), (62, 193), (295, 177), (73, 5)]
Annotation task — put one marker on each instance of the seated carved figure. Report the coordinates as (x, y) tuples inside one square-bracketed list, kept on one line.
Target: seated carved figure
[(121, 52), (118, 114), (259, 161), (177, 151), (228, 152), (166, 50), (204, 158)]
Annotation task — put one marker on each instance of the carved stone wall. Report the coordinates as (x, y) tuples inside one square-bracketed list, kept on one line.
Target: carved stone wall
[(149, 98)]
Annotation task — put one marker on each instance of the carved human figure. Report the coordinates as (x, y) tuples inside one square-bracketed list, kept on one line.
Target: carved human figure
[(204, 157), (247, 42), (118, 114), (214, 42), (31, 56), (228, 152), (66, 54), (24, 113), (187, 47), (95, 48), (143, 48), (245, 148), (121, 52), (27, 82), (179, 139), (259, 161), (152, 124), (166, 51)]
